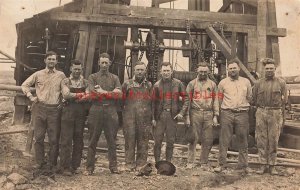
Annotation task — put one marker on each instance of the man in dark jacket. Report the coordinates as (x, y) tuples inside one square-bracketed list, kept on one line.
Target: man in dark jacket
[(166, 110)]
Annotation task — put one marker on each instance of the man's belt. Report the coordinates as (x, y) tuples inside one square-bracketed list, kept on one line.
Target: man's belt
[(48, 105), (237, 110), (200, 109), (270, 108)]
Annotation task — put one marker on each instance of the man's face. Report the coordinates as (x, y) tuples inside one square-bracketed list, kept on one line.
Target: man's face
[(270, 70), (166, 72), (233, 70), (202, 72), (140, 71), (50, 61), (76, 71), (104, 63)]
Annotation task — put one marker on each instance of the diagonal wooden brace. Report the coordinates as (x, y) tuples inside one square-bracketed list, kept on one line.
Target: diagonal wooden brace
[(226, 50)]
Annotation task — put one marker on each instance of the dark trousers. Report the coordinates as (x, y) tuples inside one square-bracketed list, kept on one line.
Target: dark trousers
[(136, 135), (71, 136), (268, 127), (46, 118), (104, 118), (239, 123), (202, 131), (165, 125)]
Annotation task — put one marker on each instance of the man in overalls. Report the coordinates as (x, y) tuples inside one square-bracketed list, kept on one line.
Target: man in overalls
[(73, 119), (137, 117)]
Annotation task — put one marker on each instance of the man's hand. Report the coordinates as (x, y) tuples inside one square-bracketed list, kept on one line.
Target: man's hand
[(33, 99), (100, 90), (215, 121), (154, 123), (188, 122), (179, 117)]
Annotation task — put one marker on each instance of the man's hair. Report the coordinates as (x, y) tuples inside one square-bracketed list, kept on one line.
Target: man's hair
[(75, 62), (232, 61), (49, 53), (139, 63), (267, 61), (166, 64), (202, 64), (104, 55)]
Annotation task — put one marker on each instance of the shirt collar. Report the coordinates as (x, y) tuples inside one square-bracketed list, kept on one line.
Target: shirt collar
[(72, 78), (231, 79), (50, 71), (104, 73), (144, 81)]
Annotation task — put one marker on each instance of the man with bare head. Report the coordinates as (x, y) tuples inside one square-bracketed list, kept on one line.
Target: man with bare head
[(237, 94), (203, 113), (104, 89), (166, 110), (46, 110), (137, 118)]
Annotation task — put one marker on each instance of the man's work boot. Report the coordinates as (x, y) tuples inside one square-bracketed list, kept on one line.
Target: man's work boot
[(219, 168), (88, 172), (262, 170), (273, 170), (114, 171), (190, 165)]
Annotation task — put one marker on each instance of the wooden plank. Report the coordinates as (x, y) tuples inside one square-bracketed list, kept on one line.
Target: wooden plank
[(225, 6), (167, 24), (273, 40), (163, 1), (137, 11), (90, 50), (227, 51), (252, 50), (261, 33), (248, 2), (233, 44), (134, 54)]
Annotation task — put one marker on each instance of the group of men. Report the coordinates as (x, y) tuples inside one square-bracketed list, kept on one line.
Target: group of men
[(151, 110)]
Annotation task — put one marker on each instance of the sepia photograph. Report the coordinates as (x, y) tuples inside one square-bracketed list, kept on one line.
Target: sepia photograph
[(149, 94)]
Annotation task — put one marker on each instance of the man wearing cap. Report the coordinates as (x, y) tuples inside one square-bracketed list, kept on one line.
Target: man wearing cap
[(166, 110), (269, 97), (237, 94), (45, 109), (203, 113), (73, 119), (137, 117), (104, 89)]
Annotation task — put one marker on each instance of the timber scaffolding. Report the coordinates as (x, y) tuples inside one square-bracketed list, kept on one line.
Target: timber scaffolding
[(243, 29)]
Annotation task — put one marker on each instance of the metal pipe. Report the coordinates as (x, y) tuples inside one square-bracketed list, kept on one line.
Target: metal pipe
[(13, 88)]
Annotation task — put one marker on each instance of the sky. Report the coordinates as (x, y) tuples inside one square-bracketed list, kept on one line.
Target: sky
[(288, 16)]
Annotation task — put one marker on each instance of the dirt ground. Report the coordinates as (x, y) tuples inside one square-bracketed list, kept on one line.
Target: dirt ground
[(13, 159)]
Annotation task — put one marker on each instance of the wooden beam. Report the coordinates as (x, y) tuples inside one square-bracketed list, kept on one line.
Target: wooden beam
[(90, 51), (154, 12), (163, 1), (227, 51), (225, 6), (248, 2), (272, 42), (261, 33), (252, 51), (167, 24)]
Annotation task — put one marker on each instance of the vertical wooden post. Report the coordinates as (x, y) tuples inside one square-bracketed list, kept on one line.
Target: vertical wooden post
[(251, 51), (261, 33), (272, 41), (134, 53)]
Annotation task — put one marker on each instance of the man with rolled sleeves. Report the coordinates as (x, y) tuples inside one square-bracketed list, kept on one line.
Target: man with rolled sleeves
[(137, 117), (237, 94), (104, 89), (203, 113), (73, 119), (166, 109), (45, 109), (269, 97)]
